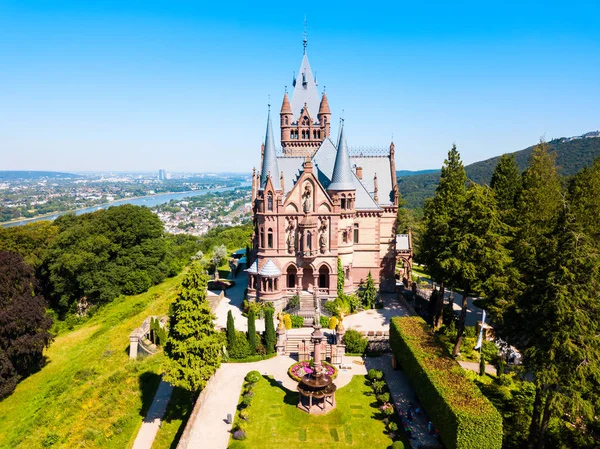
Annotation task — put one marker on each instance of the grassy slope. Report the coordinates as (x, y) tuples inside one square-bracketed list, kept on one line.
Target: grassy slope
[(176, 417), (89, 394), (276, 422)]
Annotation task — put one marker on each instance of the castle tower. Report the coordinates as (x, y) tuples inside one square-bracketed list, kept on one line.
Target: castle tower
[(305, 120)]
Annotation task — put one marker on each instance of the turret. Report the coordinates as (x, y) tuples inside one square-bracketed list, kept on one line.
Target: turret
[(270, 169), (324, 116), (286, 118), (342, 179)]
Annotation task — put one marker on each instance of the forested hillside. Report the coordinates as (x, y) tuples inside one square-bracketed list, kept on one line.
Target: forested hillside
[(571, 157)]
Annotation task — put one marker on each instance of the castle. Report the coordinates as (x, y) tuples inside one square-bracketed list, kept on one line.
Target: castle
[(316, 201)]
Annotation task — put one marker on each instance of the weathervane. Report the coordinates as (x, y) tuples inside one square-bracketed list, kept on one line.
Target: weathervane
[(305, 39)]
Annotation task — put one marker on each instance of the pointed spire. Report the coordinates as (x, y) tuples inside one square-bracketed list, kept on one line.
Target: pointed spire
[(342, 177), (324, 107), (285, 106), (269, 162), (305, 40)]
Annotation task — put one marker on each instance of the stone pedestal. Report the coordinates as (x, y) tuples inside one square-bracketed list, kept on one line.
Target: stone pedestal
[(281, 340)]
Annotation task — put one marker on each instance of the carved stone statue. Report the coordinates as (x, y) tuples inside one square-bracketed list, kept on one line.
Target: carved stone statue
[(307, 203), (323, 236), (291, 236)]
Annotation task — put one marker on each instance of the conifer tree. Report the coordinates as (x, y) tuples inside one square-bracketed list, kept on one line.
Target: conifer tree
[(479, 259), (370, 293), (270, 337), (506, 182), (193, 346), (252, 330), (230, 330), (340, 279), (584, 198), (440, 212)]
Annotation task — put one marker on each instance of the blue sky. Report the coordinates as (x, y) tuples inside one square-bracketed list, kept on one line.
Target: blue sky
[(181, 85)]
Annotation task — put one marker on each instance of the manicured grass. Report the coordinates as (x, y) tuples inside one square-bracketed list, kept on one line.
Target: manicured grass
[(175, 418), (90, 394), (274, 420)]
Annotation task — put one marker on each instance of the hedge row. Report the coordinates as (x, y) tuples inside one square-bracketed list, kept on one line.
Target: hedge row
[(464, 417)]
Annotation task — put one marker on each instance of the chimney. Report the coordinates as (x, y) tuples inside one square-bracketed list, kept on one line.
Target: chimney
[(359, 172), (376, 193)]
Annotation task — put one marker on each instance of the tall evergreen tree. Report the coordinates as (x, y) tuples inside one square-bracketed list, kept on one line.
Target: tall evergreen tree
[(440, 212), (584, 198), (193, 346), (506, 182), (340, 278), (479, 260), (370, 293), (252, 330), (270, 337), (230, 330)]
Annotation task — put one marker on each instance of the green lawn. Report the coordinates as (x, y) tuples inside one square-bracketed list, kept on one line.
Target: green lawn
[(274, 420), (89, 394), (176, 416)]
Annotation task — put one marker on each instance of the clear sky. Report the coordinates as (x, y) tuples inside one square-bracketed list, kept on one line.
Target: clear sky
[(182, 85)]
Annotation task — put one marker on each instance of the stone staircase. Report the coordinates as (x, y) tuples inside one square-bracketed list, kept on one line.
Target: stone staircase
[(295, 337), (307, 309)]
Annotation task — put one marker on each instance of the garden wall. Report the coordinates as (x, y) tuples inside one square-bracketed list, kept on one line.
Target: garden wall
[(464, 417)]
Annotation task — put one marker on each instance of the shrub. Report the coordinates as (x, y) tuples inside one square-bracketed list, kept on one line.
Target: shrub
[(395, 445), (244, 414), (374, 374), (253, 377), (464, 417), (241, 425), (247, 401), (323, 321), (287, 321), (333, 322), (383, 397), (355, 344), (297, 321), (293, 302), (241, 348), (353, 301), (392, 426), (239, 435)]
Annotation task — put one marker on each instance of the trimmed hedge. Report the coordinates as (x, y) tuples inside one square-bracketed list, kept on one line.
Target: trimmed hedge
[(464, 417)]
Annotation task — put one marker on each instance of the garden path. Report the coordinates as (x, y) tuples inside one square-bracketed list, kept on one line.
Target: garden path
[(151, 424), (403, 396), (210, 429), (377, 319)]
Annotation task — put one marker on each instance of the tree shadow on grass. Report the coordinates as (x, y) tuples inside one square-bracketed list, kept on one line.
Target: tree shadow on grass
[(290, 398), (180, 407), (148, 383)]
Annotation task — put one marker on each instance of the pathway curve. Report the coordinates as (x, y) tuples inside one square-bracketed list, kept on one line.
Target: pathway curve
[(151, 424), (377, 319), (210, 429)]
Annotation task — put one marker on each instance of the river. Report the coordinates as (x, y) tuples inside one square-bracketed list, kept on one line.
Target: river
[(148, 201)]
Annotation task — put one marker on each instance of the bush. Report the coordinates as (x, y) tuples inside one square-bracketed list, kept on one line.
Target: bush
[(355, 344), (244, 414), (374, 374), (293, 302), (247, 401), (253, 377), (392, 426), (239, 435), (332, 308), (297, 321), (241, 425), (464, 417), (287, 321), (324, 321), (240, 348), (333, 322), (395, 445), (383, 398)]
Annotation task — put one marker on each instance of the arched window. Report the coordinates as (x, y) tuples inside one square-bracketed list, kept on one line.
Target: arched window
[(270, 238), (355, 232), (262, 237), (286, 120), (343, 202), (291, 276), (345, 236), (308, 241), (270, 202)]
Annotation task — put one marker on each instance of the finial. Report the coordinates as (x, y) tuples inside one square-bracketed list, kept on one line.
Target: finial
[(269, 103), (305, 39), (324, 89), (286, 90)]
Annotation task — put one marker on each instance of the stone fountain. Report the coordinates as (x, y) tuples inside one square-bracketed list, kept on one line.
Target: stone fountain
[(316, 391)]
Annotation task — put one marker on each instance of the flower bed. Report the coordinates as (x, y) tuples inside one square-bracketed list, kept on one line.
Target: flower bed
[(298, 370)]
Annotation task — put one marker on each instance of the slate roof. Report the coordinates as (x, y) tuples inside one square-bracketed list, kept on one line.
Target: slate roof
[(380, 165), (342, 176), (253, 268), (269, 165), (305, 91), (270, 269)]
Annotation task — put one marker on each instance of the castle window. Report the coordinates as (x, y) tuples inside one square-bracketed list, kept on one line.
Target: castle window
[(286, 120), (308, 241), (270, 238), (270, 202), (345, 236), (343, 205), (262, 237), (319, 134), (355, 232)]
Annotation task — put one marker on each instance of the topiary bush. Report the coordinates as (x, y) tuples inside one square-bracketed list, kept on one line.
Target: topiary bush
[(253, 377), (374, 374), (456, 406), (383, 397), (395, 445), (287, 321), (355, 344)]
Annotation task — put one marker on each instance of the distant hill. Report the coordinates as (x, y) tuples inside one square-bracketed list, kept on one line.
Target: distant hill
[(6, 175), (572, 154), (407, 173)]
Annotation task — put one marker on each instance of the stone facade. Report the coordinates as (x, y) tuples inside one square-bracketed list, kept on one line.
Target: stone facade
[(309, 211)]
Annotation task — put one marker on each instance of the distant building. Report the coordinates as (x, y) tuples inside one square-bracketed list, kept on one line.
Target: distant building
[(162, 174), (316, 202)]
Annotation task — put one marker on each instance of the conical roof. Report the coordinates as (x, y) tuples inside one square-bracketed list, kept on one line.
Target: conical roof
[(269, 163), (285, 106), (270, 269), (324, 107), (342, 177), (305, 91)]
